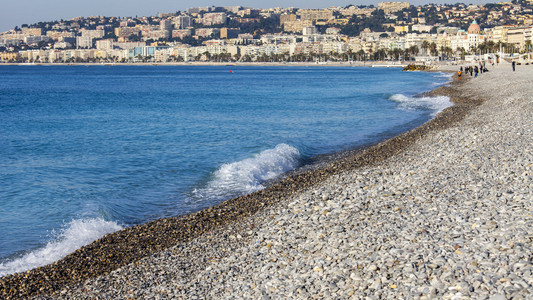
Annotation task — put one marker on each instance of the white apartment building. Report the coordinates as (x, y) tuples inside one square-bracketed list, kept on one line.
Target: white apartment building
[(309, 30), (84, 42), (214, 19), (104, 44), (95, 34), (182, 22)]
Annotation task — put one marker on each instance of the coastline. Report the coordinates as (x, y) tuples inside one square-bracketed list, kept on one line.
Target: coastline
[(394, 64), (218, 224)]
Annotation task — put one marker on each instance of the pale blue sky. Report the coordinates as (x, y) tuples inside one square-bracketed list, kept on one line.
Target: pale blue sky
[(17, 12)]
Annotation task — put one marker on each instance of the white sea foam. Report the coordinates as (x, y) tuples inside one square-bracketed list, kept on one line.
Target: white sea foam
[(248, 175), (444, 75), (75, 235), (436, 104)]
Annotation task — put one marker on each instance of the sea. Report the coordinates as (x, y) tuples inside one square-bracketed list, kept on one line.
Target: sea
[(89, 150)]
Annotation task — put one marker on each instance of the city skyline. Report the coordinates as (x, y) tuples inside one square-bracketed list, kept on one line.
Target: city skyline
[(16, 13)]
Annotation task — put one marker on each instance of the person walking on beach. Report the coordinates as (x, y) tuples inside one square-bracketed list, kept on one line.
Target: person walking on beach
[(476, 71), (459, 73), (514, 64)]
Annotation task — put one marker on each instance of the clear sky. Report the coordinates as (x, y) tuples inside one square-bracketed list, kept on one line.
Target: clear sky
[(17, 12)]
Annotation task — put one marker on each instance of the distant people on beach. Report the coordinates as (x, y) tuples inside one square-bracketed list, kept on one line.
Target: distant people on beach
[(472, 70)]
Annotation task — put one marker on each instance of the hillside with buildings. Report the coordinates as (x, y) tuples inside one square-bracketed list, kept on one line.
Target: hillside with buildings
[(390, 31)]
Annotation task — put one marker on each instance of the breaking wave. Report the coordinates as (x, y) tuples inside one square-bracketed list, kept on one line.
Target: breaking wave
[(75, 235), (248, 175), (435, 104)]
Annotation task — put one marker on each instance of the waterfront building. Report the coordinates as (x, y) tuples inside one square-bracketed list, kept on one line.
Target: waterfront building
[(499, 33), (146, 51), (468, 40), (128, 45), (518, 36), (9, 56)]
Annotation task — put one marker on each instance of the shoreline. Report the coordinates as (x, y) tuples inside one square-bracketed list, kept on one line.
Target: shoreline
[(131, 244), (392, 64)]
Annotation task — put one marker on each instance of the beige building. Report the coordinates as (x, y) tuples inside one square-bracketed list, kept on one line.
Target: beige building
[(55, 35), (126, 31), (519, 35), (499, 33), (352, 10), (315, 14), (32, 31), (297, 26), (229, 33), (401, 29), (95, 34), (392, 7), (287, 18), (9, 56)]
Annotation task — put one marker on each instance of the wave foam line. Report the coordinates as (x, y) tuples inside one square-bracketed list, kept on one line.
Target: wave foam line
[(247, 175), (75, 235), (436, 104)]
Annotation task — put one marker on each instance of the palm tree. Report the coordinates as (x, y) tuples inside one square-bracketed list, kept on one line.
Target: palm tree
[(396, 53), (527, 46), (433, 49), (425, 46), (413, 50), (381, 54), (462, 52), (361, 55)]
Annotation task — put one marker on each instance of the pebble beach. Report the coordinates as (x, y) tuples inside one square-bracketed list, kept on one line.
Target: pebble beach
[(441, 212)]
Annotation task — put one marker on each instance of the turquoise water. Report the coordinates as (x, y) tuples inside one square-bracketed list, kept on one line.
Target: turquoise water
[(88, 150)]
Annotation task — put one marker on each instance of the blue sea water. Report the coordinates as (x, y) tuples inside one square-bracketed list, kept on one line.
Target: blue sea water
[(85, 151)]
